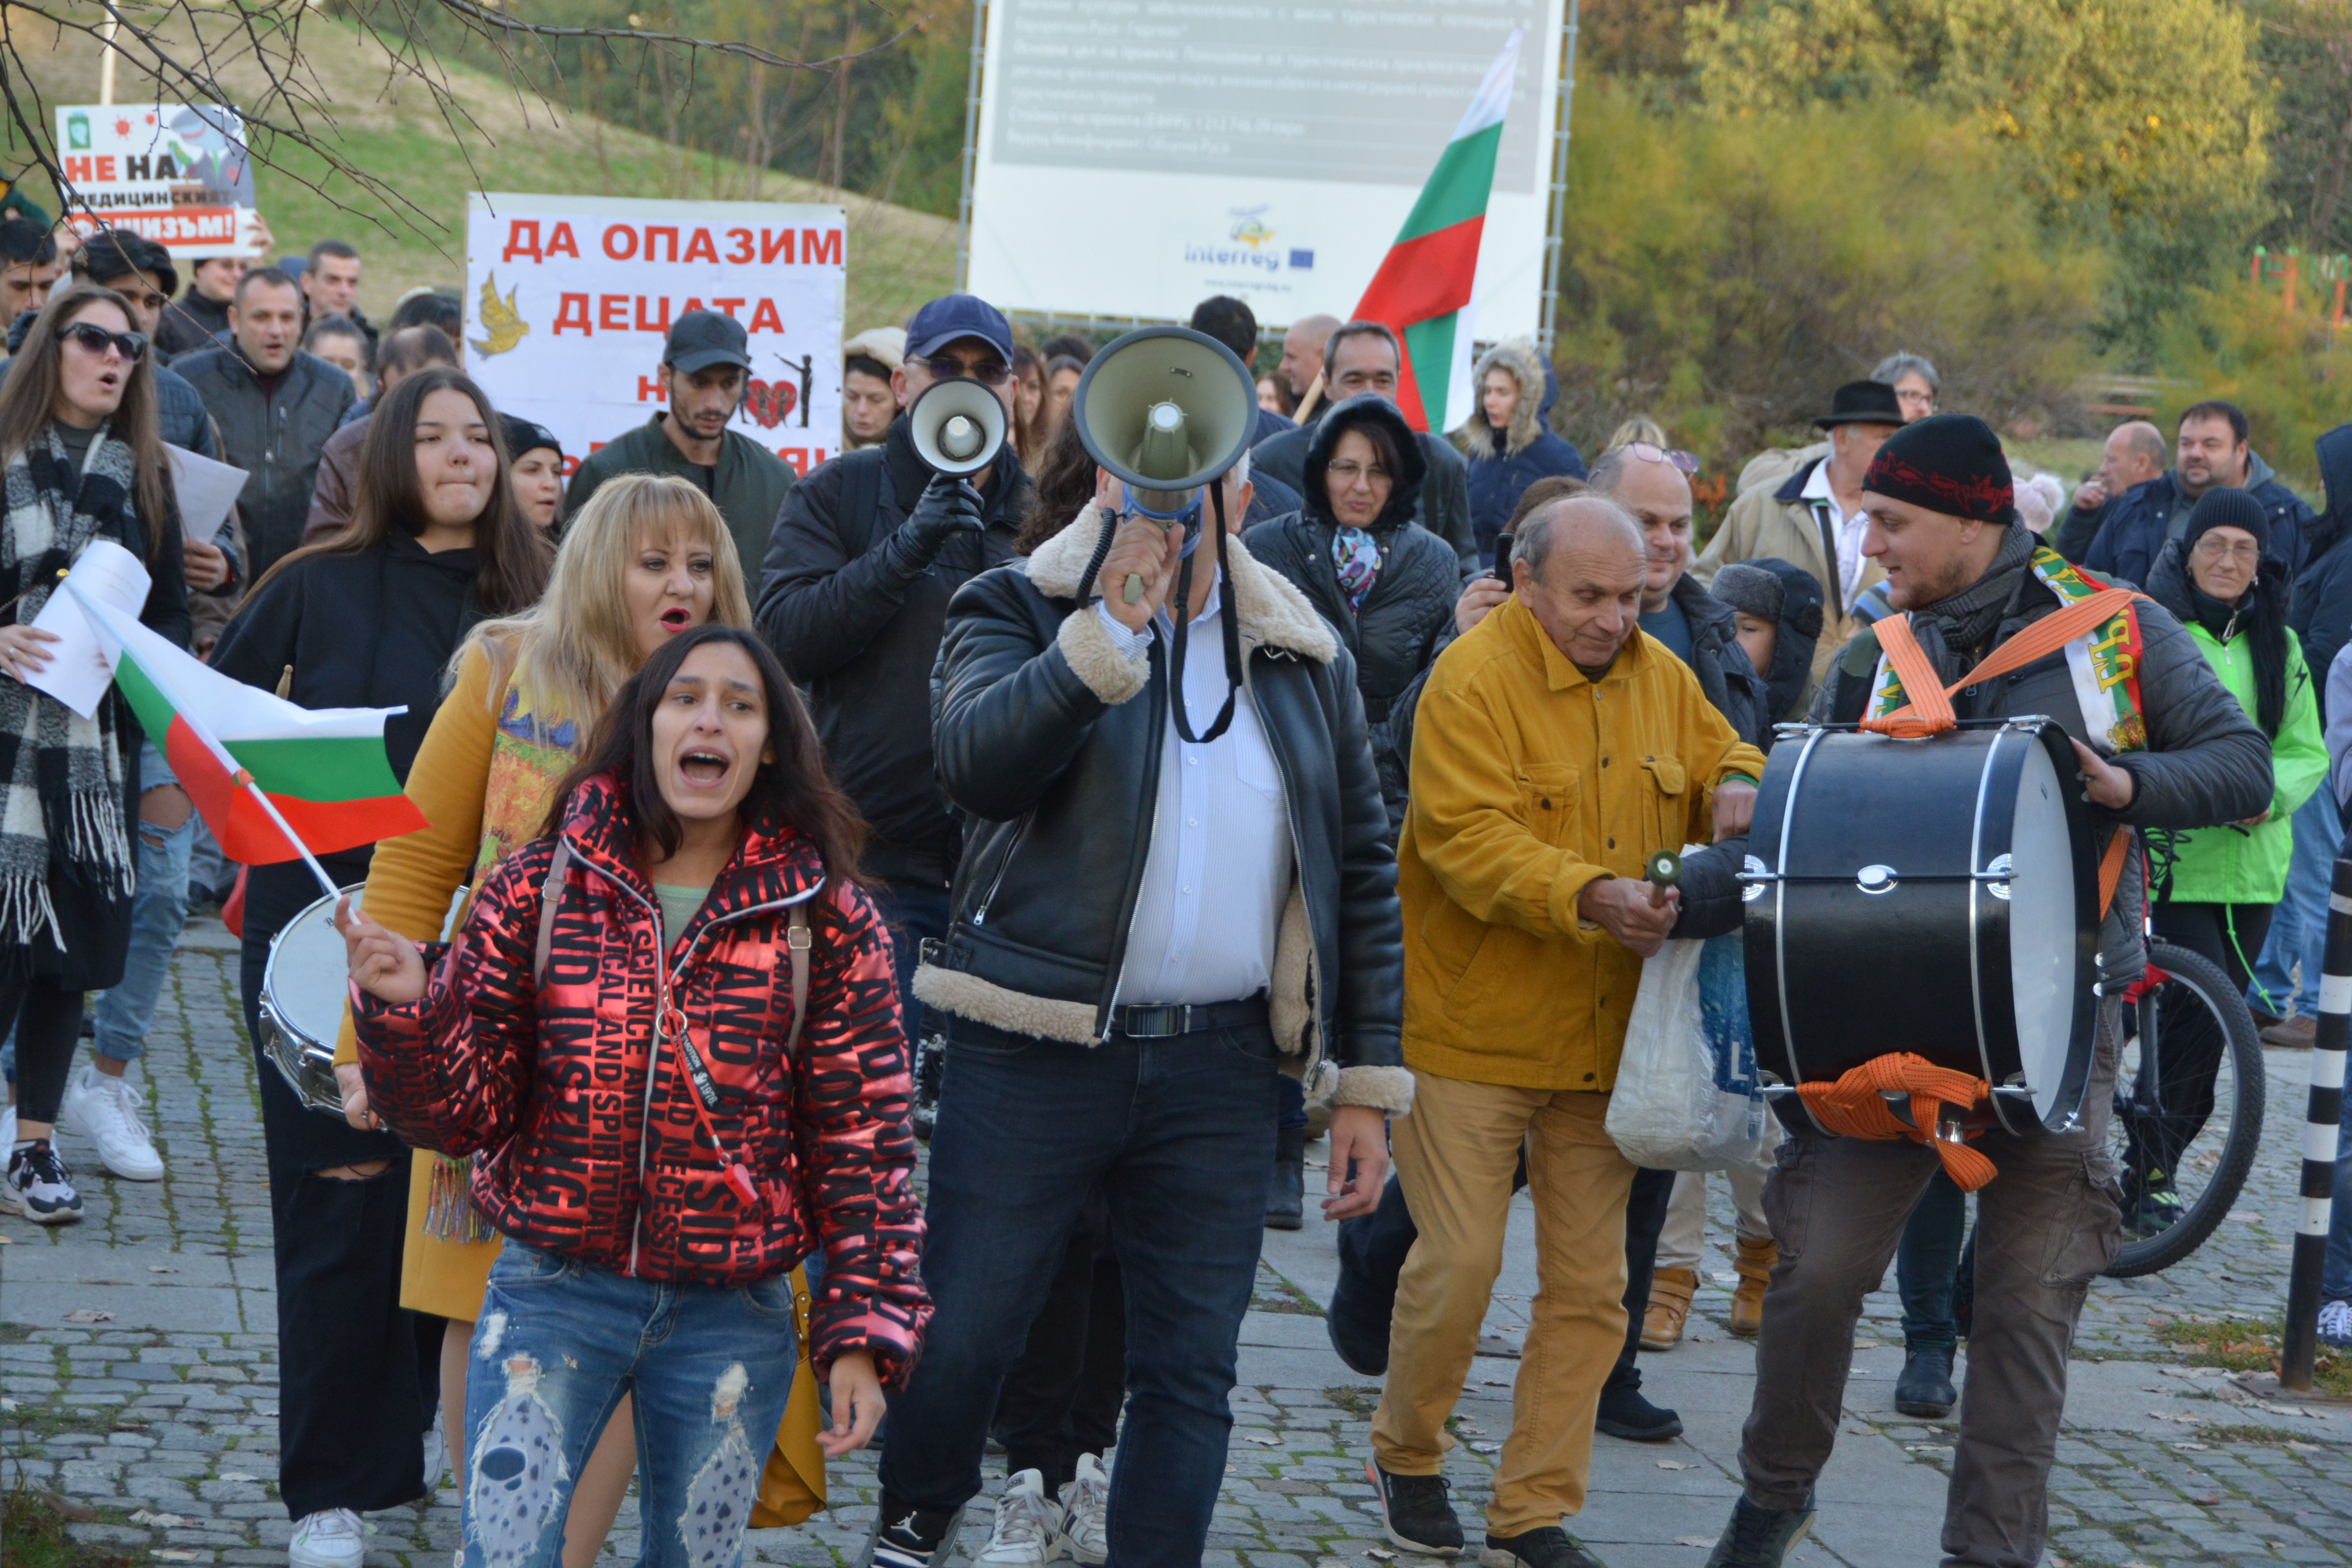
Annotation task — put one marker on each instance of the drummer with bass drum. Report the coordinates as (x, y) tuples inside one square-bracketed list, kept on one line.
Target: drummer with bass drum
[(2160, 744)]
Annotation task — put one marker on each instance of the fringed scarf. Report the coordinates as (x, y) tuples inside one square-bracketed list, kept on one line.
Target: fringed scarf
[(61, 776)]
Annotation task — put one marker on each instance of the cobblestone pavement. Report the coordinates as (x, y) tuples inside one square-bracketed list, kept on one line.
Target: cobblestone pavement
[(138, 1363)]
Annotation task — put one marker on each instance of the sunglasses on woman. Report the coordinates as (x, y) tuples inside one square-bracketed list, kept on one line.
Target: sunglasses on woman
[(132, 346), (1686, 461)]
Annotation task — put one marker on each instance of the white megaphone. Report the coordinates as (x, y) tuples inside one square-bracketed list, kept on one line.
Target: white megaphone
[(957, 425), (1165, 410)]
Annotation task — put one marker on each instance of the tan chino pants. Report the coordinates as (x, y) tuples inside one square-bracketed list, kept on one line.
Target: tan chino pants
[(1455, 1155)]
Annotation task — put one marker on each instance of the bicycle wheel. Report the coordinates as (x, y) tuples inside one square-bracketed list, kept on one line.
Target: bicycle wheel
[(2183, 1165)]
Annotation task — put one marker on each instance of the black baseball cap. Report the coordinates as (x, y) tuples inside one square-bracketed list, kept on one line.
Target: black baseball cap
[(953, 316), (700, 338)]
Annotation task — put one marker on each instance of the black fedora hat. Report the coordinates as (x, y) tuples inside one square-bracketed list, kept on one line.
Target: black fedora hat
[(1861, 403)]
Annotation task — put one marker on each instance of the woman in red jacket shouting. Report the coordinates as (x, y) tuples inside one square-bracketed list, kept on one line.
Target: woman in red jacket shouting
[(671, 1024)]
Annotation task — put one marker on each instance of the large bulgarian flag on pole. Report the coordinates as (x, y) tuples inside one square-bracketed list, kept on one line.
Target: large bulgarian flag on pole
[(273, 782), (1421, 292)]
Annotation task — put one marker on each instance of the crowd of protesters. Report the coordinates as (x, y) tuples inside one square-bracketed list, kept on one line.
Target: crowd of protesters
[(799, 818)]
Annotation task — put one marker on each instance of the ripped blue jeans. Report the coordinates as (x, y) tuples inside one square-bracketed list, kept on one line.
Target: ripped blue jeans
[(558, 1343)]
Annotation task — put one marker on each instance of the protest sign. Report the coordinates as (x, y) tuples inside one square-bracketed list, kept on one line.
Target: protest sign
[(181, 175), (569, 300)]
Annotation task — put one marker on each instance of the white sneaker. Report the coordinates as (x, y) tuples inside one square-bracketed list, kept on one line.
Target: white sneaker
[(7, 1130), (329, 1538), (2336, 1323), (437, 1457), (1086, 1513), (37, 1184), (105, 1110), (1028, 1532)]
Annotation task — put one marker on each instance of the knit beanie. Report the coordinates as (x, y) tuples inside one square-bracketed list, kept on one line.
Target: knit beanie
[(1950, 463), (1750, 590), (527, 436), (2222, 507)]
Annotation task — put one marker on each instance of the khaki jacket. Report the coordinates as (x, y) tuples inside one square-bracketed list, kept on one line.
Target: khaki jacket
[(1529, 781), (1775, 520)]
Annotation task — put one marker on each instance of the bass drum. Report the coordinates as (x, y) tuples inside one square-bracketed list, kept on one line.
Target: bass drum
[(1934, 896), (303, 991)]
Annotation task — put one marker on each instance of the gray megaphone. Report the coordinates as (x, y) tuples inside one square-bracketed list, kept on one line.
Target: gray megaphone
[(1165, 410), (957, 425)]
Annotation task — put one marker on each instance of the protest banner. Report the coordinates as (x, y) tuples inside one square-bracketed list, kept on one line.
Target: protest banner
[(179, 174), (569, 300)]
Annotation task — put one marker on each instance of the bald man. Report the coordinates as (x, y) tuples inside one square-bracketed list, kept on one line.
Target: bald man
[(1557, 745), (1302, 351), (2136, 453)]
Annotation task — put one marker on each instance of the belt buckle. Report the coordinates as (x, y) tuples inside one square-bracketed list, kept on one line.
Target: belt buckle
[(1153, 1021)]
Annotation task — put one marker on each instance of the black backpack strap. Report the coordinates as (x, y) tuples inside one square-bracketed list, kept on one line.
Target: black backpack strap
[(550, 892)]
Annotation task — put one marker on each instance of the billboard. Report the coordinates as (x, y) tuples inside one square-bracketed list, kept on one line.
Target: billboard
[(1133, 161), (179, 174), (569, 300)]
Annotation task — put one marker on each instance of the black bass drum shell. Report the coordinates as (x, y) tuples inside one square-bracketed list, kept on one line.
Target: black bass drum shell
[(1876, 919)]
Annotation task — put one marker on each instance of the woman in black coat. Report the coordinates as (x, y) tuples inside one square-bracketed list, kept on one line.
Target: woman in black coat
[(367, 617), (1386, 583)]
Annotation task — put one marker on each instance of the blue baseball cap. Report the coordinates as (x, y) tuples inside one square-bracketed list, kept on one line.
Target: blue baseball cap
[(953, 316)]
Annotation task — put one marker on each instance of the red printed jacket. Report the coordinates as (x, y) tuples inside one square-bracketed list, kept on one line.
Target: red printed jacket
[(595, 1140)]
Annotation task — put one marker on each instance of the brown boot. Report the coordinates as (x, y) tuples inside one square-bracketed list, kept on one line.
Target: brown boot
[(1753, 1266), (1670, 1298)]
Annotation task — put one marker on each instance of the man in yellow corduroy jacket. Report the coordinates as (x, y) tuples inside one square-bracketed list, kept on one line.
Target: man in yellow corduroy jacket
[(1555, 747)]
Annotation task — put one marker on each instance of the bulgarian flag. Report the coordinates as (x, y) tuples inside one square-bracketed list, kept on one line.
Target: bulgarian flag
[(273, 782), (1421, 292)]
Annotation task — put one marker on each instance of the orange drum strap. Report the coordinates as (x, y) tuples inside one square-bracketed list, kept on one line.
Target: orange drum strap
[(1855, 1107)]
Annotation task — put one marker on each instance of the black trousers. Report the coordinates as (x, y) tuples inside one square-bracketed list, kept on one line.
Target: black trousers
[(1645, 1216), (1062, 1398), (2231, 936), (357, 1381), (48, 1019)]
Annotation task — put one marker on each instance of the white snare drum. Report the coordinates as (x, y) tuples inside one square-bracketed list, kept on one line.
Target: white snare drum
[(302, 994)]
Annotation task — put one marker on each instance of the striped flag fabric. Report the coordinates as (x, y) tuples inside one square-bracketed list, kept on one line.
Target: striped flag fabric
[(324, 770), (1421, 292)]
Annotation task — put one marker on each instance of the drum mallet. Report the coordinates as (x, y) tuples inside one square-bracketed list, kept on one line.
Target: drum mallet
[(1664, 869), (2299, 1346)]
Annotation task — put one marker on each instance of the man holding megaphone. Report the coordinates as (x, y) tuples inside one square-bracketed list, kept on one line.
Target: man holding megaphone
[(1177, 889)]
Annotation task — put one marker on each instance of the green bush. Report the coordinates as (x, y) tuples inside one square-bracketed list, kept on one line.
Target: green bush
[(2291, 373), (1725, 274)]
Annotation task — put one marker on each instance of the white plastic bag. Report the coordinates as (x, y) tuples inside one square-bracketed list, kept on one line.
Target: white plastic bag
[(1687, 1098)]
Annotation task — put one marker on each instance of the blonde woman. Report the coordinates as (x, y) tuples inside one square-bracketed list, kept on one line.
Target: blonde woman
[(646, 559)]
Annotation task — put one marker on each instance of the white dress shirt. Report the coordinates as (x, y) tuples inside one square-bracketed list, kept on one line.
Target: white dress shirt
[(1848, 530), (1220, 863)]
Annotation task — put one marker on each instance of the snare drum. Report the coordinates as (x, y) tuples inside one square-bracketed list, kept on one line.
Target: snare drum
[(302, 994), (1934, 896)]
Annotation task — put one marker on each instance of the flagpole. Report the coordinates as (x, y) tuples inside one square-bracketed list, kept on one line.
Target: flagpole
[(237, 772)]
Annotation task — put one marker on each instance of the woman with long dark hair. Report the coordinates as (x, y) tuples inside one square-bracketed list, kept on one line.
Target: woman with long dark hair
[(674, 1017), (367, 617), (2223, 583), (82, 461)]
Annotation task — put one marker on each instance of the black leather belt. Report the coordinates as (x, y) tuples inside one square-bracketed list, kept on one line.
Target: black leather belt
[(1165, 1020)]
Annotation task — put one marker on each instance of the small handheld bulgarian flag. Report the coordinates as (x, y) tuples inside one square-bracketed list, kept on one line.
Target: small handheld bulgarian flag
[(1421, 292), (273, 782)]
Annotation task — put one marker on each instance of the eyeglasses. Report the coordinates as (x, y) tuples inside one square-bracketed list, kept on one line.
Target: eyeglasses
[(97, 339), (1347, 471), (2245, 551), (988, 372), (1687, 462)]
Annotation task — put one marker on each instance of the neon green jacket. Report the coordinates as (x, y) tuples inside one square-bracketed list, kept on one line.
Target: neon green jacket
[(2221, 865)]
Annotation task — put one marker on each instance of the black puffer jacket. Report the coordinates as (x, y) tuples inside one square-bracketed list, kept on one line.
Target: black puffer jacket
[(861, 639), (2321, 613), (1053, 739), (1397, 631), (274, 436)]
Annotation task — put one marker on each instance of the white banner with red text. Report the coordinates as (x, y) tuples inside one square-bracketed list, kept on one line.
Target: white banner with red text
[(569, 298)]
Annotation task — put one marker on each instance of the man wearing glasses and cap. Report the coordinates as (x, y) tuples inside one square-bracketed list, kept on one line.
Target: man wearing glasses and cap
[(866, 552), (1814, 518), (705, 369)]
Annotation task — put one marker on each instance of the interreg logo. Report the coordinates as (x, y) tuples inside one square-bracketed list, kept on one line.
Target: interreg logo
[(1249, 242)]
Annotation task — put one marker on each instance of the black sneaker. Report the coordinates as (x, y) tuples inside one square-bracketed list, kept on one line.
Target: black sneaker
[(1925, 1386), (39, 1186), (1549, 1547), (930, 1072), (2153, 1210), (909, 1537), (1760, 1537), (1625, 1413), (1415, 1512)]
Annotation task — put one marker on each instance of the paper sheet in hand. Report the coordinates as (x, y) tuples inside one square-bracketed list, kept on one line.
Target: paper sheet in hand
[(78, 673), (206, 490)]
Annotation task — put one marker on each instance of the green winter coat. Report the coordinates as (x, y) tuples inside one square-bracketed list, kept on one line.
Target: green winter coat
[(2221, 865)]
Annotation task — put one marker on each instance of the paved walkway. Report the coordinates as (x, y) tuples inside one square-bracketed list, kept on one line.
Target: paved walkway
[(138, 1362)]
